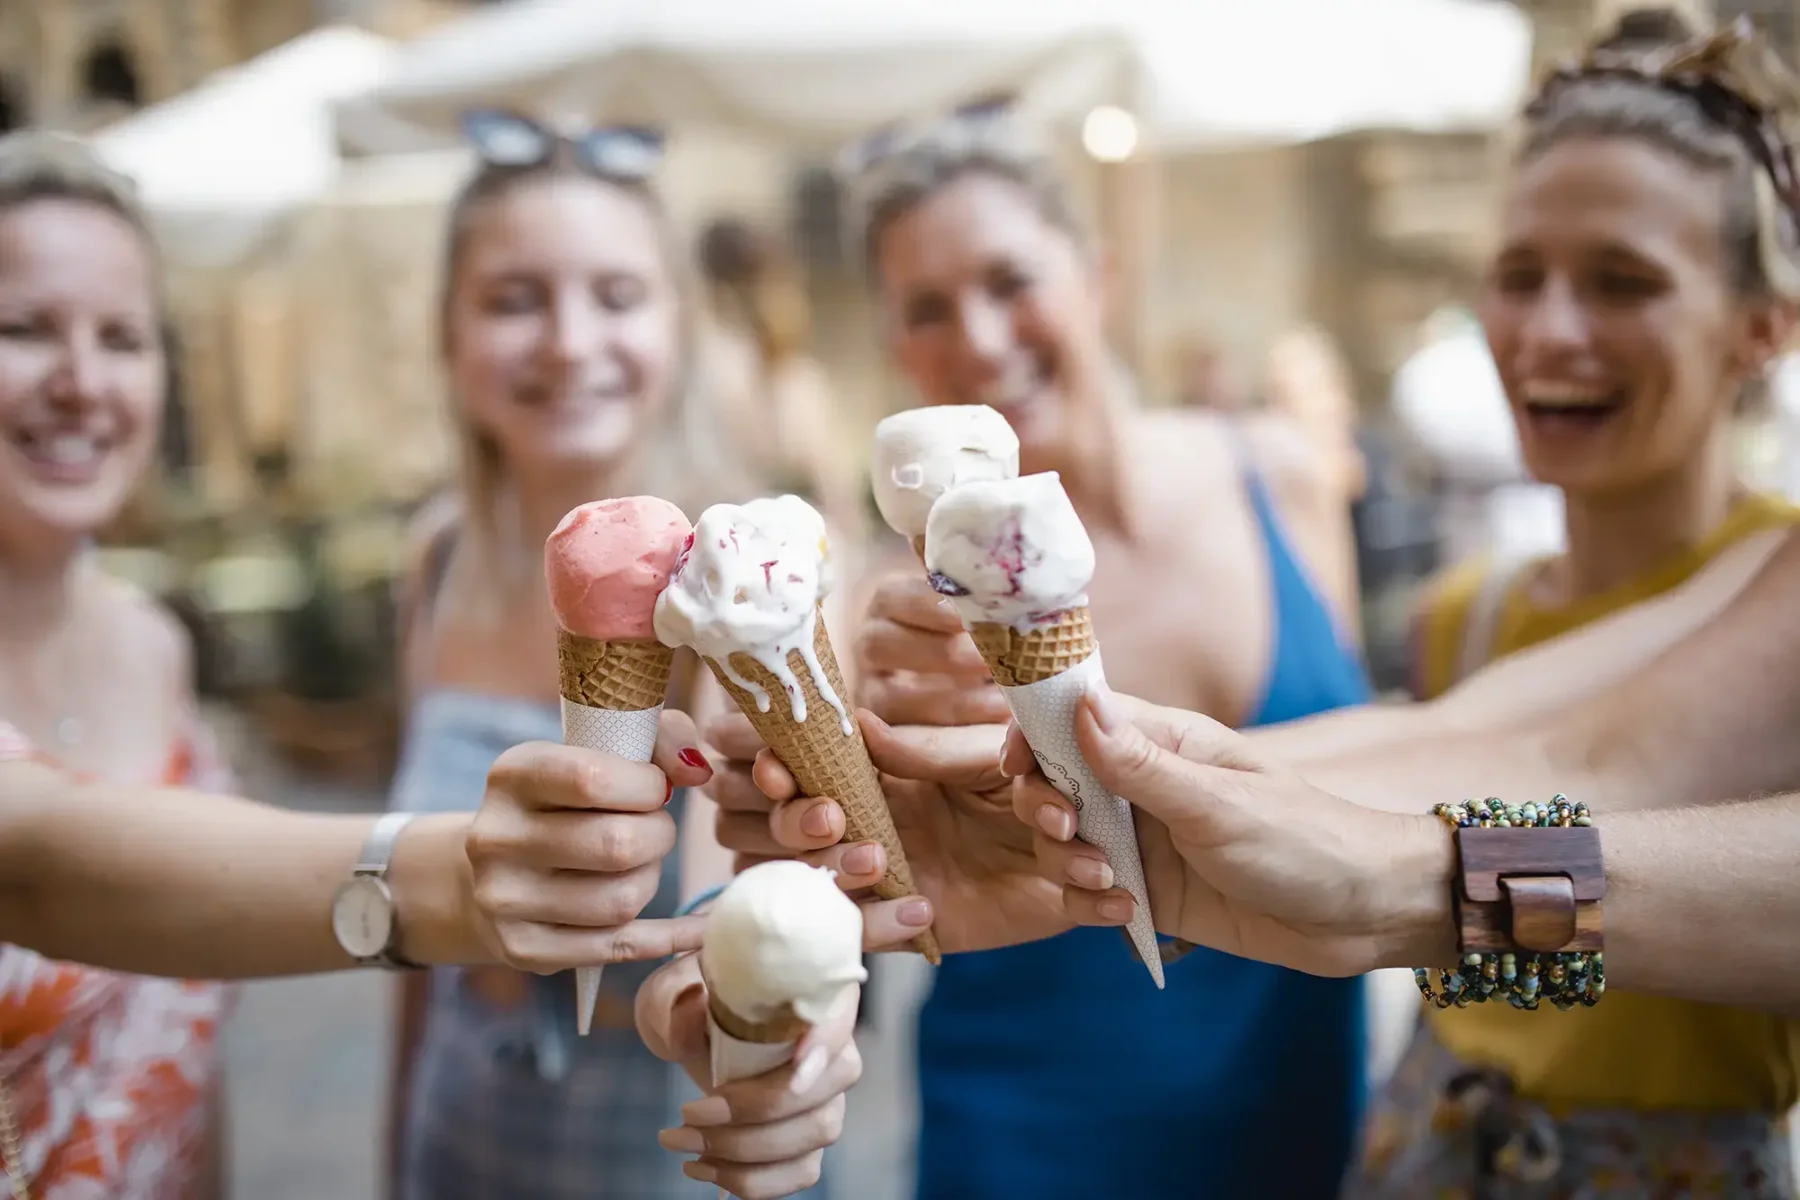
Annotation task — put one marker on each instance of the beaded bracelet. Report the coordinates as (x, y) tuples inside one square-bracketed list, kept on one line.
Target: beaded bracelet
[(1522, 979)]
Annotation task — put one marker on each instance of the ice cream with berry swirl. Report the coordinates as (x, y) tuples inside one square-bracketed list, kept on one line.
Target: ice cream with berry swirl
[(1009, 551)]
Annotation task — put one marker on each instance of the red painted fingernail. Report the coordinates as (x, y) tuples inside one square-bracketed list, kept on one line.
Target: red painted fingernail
[(692, 757), (670, 794)]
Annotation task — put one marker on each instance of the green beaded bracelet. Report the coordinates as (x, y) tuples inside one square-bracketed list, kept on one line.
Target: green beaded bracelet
[(1523, 980)]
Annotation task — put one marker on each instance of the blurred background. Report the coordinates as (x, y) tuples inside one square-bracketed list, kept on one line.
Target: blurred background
[(1296, 196)]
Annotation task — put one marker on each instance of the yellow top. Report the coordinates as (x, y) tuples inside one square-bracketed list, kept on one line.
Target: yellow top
[(1628, 1051)]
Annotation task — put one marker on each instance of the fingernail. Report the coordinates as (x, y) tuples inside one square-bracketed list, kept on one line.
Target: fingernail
[(816, 822), (915, 912), (1113, 909), (1055, 822), (670, 793), (703, 1171), (863, 860), (706, 1111), (1104, 707), (1094, 873), (693, 758), (683, 1140), (810, 1067)]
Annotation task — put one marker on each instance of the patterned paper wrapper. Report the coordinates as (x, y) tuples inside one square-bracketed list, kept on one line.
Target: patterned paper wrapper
[(612, 700), (1045, 711)]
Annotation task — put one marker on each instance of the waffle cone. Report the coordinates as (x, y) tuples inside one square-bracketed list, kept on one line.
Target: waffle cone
[(1016, 659), (624, 676), (826, 761), (785, 1026)]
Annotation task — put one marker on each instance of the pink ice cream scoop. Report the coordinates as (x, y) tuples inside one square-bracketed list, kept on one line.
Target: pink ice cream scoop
[(608, 561)]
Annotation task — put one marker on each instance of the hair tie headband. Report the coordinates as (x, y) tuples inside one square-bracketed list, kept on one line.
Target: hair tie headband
[(1731, 75)]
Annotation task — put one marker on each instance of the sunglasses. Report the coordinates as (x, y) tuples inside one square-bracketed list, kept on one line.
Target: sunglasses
[(517, 142), (974, 115)]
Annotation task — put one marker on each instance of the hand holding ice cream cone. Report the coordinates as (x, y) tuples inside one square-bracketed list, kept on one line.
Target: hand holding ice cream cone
[(746, 596), (605, 565), (1015, 561), (762, 1020)]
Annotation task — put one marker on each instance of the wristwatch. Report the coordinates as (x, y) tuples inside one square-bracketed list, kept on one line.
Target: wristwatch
[(362, 912)]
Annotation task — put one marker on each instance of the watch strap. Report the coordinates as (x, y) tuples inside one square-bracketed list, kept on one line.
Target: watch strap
[(373, 861), (378, 849)]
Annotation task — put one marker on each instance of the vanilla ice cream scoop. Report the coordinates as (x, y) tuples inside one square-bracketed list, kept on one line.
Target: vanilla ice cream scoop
[(922, 452), (783, 935), (1009, 551), (750, 583)]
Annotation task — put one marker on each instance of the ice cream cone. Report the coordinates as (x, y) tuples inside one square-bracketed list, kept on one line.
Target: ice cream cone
[(824, 759), (1043, 672), (742, 1048), (612, 698)]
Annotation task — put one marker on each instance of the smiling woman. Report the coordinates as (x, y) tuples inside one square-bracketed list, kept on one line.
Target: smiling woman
[(1646, 277)]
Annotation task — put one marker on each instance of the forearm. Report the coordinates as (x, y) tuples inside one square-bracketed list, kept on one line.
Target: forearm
[(176, 883), (1700, 903)]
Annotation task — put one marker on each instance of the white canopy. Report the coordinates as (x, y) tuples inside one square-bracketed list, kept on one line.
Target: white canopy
[(252, 143), (1203, 71)]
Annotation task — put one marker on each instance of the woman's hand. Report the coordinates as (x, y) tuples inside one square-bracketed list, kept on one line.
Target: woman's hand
[(758, 1137), (973, 865), (568, 847), (1240, 853), (916, 664)]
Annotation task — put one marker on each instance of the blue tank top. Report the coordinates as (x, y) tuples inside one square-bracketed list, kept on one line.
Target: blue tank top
[(1239, 1079)]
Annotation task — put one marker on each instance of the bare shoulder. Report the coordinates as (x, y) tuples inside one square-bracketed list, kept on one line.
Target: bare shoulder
[(162, 647), (1202, 451)]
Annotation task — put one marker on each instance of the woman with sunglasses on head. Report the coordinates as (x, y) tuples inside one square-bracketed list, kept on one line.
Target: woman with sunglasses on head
[(989, 292), (566, 345)]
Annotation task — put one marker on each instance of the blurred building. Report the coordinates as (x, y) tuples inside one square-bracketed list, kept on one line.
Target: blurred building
[(79, 64)]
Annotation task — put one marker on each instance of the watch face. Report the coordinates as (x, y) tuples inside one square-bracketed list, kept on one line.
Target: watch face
[(362, 917)]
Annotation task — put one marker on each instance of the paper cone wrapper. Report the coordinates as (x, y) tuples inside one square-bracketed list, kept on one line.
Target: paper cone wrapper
[(612, 699), (742, 1048), (1044, 673), (826, 761)]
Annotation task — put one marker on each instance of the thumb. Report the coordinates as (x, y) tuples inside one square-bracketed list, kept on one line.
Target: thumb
[(687, 1026), (1136, 768)]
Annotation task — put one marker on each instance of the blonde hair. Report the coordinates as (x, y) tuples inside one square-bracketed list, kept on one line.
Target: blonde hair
[(683, 461), (935, 156)]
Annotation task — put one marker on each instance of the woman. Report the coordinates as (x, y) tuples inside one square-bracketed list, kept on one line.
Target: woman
[(566, 347), (1644, 282), (91, 670), (990, 293), (251, 898)]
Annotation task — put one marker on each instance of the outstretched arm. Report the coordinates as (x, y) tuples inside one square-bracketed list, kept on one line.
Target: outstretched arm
[(1711, 718), (1553, 676)]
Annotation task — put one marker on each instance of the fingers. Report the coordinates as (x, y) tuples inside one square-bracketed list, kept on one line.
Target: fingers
[(905, 698), (1114, 907), (671, 1011), (906, 599), (884, 645), (577, 899), (1157, 779), (772, 778), (764, 1136), (545, 776), (1042, 807), (893, 924), (503, 839), (545, 949), (678, 753), (1016, 757), (967, 757), (732, 735)]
